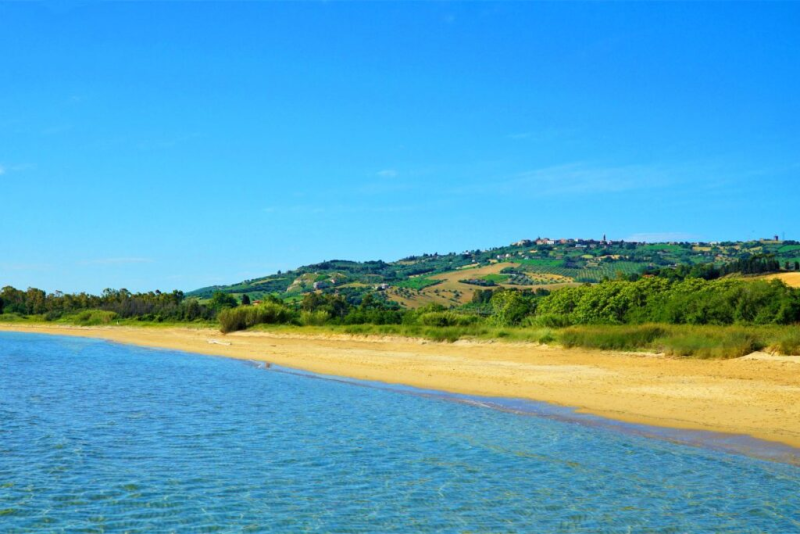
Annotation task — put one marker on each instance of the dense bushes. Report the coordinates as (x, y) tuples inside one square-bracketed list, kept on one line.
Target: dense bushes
[(681, 316), (684, 340), (789, 342), (152, 306), (446, 318), (314, 318), (243, 317), (95, 317), (692, 301), (621, 338)]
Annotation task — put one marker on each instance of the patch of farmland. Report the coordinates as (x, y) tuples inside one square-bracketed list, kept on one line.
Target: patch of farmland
[(417, 283), (593, 272), (790, 279)]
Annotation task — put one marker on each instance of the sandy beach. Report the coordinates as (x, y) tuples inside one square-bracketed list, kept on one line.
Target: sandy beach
[(758, 395)]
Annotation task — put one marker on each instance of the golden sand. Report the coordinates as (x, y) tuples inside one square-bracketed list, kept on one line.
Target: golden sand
[(758, 395)]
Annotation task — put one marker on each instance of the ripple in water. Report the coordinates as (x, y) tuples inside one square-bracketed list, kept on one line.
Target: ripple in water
[(102, 437)]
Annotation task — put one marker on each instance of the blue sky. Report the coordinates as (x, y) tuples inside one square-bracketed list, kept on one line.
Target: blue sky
[(178, 145)]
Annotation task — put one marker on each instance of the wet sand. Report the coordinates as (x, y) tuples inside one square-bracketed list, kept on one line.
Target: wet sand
[(758, 395)]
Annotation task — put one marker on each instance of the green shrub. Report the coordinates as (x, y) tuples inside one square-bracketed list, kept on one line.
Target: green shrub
[(789, 343), (692, 301), (52, 315), (445, 319), (549, 320), (547, 336), (243, 317), (448, 334), (611, 337), (94, 317), (704, 343), (315, 318)]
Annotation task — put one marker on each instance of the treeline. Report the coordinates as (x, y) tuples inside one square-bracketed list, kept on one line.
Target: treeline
[(693, 301), (501, 307), (671, 297), (709, 271), (119, 303)]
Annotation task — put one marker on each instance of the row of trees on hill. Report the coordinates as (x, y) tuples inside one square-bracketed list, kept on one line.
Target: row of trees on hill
[(677, 296), (501, 307), (694, 301), (661, 300), (710, 271), (152, 306)]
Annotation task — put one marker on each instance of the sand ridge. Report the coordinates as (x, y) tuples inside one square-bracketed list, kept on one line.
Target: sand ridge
[(758, 396)]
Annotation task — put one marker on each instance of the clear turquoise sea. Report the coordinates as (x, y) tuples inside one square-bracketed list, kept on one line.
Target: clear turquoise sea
[(99, 437)]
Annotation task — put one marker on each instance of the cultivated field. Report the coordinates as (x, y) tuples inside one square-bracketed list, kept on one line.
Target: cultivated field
[(449, 290), (790, 279)]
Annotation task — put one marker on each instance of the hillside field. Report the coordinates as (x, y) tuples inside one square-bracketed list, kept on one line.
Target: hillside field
[(452, 279), (449, 289), (790, 279)]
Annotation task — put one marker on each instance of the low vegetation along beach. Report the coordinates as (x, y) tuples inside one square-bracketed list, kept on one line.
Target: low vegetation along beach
[(755, 395)]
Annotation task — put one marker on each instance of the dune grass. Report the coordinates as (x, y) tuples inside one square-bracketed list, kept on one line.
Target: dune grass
[(706, 342), (684, 341), (102, 318)]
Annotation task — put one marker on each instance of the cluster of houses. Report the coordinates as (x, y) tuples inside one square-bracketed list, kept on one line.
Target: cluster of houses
[(563, 241), (324, 284)]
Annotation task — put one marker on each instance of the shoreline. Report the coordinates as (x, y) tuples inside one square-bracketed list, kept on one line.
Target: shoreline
[(758, 396), (739, 444)]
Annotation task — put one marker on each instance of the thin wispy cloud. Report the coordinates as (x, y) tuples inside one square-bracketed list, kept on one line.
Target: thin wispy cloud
[(115, 261), (8, 169), (4, 266), (22, 167), (166, 142), (56, 130), (575, 179), (336, 209), (388, 173), (543, 134), (384, 187)]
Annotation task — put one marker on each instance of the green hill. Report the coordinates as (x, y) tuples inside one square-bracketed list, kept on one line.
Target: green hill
[(447, 278)]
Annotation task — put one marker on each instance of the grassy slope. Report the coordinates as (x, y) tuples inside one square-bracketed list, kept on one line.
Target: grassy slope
[(542, 266)]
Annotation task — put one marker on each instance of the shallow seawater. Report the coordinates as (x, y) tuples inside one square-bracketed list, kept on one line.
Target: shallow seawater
[(101, 437)]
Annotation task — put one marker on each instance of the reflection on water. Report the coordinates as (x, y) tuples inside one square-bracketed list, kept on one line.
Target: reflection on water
[(96, 436)]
